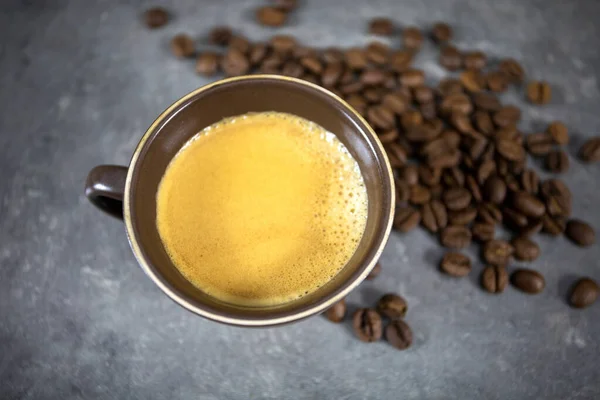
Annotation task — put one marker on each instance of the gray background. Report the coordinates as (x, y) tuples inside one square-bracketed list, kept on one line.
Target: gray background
[(80, 83)]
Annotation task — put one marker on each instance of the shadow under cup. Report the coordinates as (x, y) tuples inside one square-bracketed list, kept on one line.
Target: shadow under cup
[(230, 98)]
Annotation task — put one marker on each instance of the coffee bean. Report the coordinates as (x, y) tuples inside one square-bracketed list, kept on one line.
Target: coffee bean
[(372, 77), (436, 191), (207, 63), (451, 137), (367, 325), (486, 102), (553, 225), (257, 54), (457, 198), (156, 17), (373, 94), (396, 154), (392, 306), (494, 278), (333, 55), (423, 94), (525, 249), (450, 58), (410, 174), (495, 190), (475, 60), (419, 194), (528, 204), (412, 78), (497, 81), (590, 150), (331, 74), (449, 86), (434, 216), (456, 103), (456, 264), (530, 181), (512, 69), (357, 102), (507, 115), (380, 117), (402, 192), (412, 38), (271, 16), (381, 26), (510, 150), (539, 92), (557, 161), (539, 144), (356, 58), (514, 219), (401, 60), (441, 32), (429, 176), (490, 213), (584, 293), (182, 46), (483, 231), (424, 132), (528, 280), (533, 227), (483, 122), (220, 35), (463, 217), (378, 53), (453, 177), (235, 63), (580, 233), (557, 196), (271, 64), (399, 334), (559, 132), (497, 252), (374, 272), (455, 237), (473, 187), (486, 169), (240, 43), (406, 219), (336, 312), (388, 136), (472, 80)]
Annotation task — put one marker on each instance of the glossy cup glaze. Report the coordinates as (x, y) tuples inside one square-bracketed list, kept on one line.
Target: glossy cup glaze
[(130, 192)]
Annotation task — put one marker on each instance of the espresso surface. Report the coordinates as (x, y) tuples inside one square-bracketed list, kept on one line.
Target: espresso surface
[(261, 209)]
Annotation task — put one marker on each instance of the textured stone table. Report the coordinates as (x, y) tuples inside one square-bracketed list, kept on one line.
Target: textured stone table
[(78, 319)]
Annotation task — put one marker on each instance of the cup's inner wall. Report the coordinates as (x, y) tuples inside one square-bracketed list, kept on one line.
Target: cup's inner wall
[(240, 97)]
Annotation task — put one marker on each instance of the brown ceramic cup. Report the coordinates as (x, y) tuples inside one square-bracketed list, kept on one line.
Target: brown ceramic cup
[(130, 192)]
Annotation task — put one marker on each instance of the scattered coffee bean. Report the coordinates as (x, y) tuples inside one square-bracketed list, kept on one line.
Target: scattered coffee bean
[(557, 196), (462, 217), (528, 281), (381, 26), (510, 149), (483, 231), (590, 150), (457, 198), (367, 325), (380, 117), (220, 36), (506, 116), (512, 69), (419, 194), (584, 293), (400, 60), (497, 252), (539, 144), (156, 17), (494, 278), (559, 132), (399, 334), (472, 80), (434, 216), (557, 161), (378, 53), (456, 264), (271, 16), (475, 60), (235, 63), (207, 63), (539, 92), (525, 249), (580, 233), (412, 38), (410, 174), (473, 187), (494, 190), (406, 219), (240, 43), (374, 272), (530, 181), (392, 306), (336, 312), (441, 32), (455, 237), (497, 81), (182, 46), (528, 204), (553, 225), (489, 213), (533, 227), (412, 78), (450, 58)]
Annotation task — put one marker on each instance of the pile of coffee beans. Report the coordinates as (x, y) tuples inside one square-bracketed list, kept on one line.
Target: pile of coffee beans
[(459, 158)]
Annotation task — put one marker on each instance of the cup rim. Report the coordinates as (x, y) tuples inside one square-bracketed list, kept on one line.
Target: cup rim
[(267, 321)]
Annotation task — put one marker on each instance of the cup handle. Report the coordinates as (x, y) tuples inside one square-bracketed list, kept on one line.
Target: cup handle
[(105, 187)]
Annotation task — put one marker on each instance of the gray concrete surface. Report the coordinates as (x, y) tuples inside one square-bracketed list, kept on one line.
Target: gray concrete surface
[(80, 81)]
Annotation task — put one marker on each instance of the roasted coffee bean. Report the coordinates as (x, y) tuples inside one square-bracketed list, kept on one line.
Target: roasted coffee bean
[(367, 325), (381, 26), (553, 225), (483, 122), (590, 150), (449, 86), (455, 237), (380, 117), (331, 74), (457, 198), (472, 80), (530, 181), (283, 44), (441, 32), (473, 187), (580, 233), (397, 154), (497, 252), (483, 231), (456, 103), (372, 77), (557, 161), (486, 169), (399, 334), (220, 35), (392, 306), (357, 102), (557, 196), (525, 249), (332, 55), (533, 227), (494, 278), (378, 53), (539, 92), (235, 63), (401, 60), (412, 78), (312, 64), (539, 144), (462, 123), (456, 264), (436, 191), (559, 132), (429, 176), (424, 132), (352, 87), (514, 219), (395, 102), (463, 217), (494, 190), (388, 136), (528, 281), (490, 213), (356, 58), (528, 204), (257, 54), (410, 174), (303, 51), (336, 312), (406, 219), (207, 63), (486, 102), (156, 17), (419, 194), (292, 69), (412, 38), (451, 137), (423, 94), (434, 216), (271, 16), (507, 115), (402, 191), (374, 272), (450, 58), (453, 177), (271, 64), (584, 293), (512, 69), (240, 43), (428, 110), (475, 60), (182, 46), (497, 81)]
